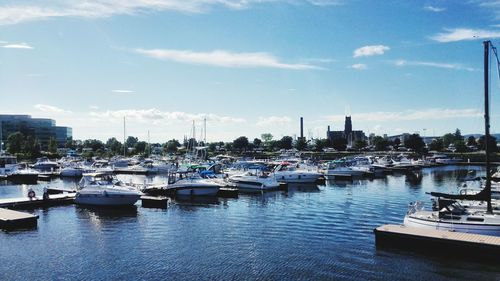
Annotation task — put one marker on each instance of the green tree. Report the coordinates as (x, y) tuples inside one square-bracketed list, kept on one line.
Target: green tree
[(471, 141), (140, 147), (415, 142), (380, 143), (52, 146), (257, 142), (131, 141), (286, 142), (94, 144), (15, 142), (448, 139), (492, 143), (460, 146), (114, 146), (301, 144), (240, 143), (436, 145), (360, 144), (267, 137), (70, 144), (339, 144), (31, 147), (458, 135), (171, 146), (397, 142)]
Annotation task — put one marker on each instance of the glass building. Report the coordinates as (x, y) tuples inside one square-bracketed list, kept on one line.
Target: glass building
[(42, 129)]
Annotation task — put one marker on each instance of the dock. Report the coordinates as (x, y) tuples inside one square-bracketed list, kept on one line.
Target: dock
[(438, 241), (10, 219), (160, 202), (37, 201)]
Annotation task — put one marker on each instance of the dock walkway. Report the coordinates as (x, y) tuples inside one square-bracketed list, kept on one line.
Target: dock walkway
[(10, 219), (37, 201), (436, 241)]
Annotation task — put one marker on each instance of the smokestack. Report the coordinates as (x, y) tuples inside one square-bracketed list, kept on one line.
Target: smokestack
[(328, 128), (301, 128)]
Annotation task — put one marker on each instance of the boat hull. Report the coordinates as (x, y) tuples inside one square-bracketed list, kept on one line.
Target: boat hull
[(483, 229), (106, 200)]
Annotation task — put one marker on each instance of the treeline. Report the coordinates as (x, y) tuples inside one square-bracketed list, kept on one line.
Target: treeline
[(29, 147)]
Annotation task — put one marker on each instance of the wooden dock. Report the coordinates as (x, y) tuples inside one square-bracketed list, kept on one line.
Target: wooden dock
[(10, 219), (37, 201), (160, 202), (438, 241)]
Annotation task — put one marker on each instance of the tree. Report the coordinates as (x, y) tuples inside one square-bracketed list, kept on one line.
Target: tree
[(397, 142), (471, 141), (52, 146), (458, 135), (436, 145), (492, 143), (320, 144), (415, 142), (171, 146), (286, 142), (31, 147), (241, 143), (70, 144), (131, 141), (360, 144), (257, 142), (460, 146), (448, 139), (114, 146), (140, 147), (94, 144), (300, 144), (339, 144), (15, 142), (380, 143), (267, 137)]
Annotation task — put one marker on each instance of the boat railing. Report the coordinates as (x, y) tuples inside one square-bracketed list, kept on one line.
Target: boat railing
[(414, 207)]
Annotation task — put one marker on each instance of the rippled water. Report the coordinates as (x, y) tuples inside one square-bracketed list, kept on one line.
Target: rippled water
[(308, 232)]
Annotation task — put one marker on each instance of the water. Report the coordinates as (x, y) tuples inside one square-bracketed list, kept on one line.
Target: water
[(309, 232)]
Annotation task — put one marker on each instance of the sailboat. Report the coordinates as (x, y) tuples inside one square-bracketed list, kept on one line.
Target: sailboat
[(448, 212)]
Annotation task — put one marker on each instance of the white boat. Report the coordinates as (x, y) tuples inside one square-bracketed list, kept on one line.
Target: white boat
[(43, 163), (194, 185), (8, 164), (103, 189), (290, 173), (448, 213), (340, 168), (253, 180)]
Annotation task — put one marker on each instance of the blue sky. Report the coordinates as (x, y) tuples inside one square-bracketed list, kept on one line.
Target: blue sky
[(249, 67)]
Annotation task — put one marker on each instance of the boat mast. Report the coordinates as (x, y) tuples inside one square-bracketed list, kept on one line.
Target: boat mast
[(124, 140), (487, 125)]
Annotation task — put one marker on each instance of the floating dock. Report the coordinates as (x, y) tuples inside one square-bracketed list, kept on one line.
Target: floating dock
[(10, 219), (160, 202), (37, 201), (438, 241)]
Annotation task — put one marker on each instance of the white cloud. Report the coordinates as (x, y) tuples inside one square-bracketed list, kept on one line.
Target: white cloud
[(122, 91), (372, 50), (434, 9), (454, 66), (410, 115), (155, 115), (273, 121), (359, 66), (461, 34), (50, 108), (223, 59), (17, 46), (13, 14), (93, 107)]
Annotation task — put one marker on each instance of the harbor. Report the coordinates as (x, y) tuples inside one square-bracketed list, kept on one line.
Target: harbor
[(328, 227)]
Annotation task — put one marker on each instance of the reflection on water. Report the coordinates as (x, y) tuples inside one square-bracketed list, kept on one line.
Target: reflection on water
[(301, 233)]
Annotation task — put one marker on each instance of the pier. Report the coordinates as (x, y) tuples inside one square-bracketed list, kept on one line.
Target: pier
[(37, 201), (10, 219), (438, 241)]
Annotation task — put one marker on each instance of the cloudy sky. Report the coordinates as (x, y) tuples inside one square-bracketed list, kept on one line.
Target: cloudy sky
[(249, 66)]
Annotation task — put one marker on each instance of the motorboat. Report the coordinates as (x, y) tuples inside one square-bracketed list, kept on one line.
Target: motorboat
[(187, 184), (286, 172), (104, 189), (254, 180), (9, 169), (44, 164), (341, 168)]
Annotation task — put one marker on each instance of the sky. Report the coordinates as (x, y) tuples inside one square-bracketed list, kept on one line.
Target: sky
[(248, 67)]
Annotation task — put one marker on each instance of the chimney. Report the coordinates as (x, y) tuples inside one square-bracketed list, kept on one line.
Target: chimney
[(301, 128)]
